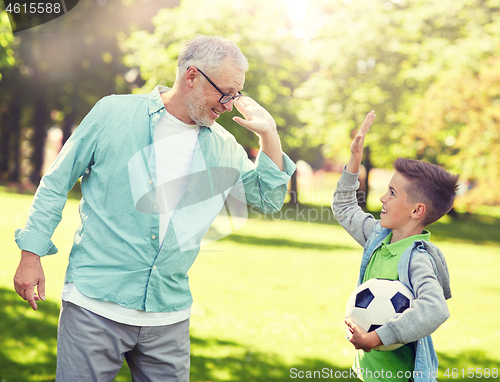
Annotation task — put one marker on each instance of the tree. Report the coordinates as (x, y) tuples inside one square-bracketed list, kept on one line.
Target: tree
[(383, 55), (261, 30), (7, 43), (458, 123), (10, 112), (61, 69)]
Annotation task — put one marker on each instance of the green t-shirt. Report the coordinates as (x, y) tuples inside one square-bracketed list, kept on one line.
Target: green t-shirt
[(384, 265)]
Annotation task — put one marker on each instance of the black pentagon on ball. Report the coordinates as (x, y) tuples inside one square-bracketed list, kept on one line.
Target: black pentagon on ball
[(400, 302), (373, 327), (364, 298)]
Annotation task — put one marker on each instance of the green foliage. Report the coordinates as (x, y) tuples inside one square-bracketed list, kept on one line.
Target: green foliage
[(457, 123), (318, 72), (7, 43), (383, 55), (261, 31), (62, 68)]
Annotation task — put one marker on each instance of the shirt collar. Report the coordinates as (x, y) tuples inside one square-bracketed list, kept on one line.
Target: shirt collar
[(400, 246), (155, 101)]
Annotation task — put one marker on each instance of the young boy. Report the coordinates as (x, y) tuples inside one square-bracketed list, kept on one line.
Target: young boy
[(397, 247)]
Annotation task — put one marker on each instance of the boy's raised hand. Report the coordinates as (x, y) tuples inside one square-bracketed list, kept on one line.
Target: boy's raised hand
[(358, 143)]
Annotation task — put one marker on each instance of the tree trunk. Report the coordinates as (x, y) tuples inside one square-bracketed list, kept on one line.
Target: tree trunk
[(4, 143), (294, 192), (15, 140), (41, 119), (364, 188), (10, 133), (69, 121), (294, 189)]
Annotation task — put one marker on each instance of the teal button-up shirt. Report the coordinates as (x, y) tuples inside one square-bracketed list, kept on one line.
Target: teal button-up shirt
[(116, 255)]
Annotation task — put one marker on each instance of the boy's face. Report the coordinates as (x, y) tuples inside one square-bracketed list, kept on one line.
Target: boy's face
[(396, 211)]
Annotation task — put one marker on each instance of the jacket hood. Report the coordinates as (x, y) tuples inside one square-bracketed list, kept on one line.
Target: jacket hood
[(441, 267)]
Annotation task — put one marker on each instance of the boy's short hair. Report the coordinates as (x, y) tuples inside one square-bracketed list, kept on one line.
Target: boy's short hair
[(428, 184)]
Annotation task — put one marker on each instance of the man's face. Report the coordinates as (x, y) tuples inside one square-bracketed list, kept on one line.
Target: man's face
[(396, 211), (203, 99)]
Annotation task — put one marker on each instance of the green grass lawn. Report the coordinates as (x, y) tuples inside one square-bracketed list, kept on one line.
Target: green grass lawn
[(268, 298)]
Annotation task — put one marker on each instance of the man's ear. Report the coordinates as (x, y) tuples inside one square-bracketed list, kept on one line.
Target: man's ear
[(419, 211), (190, 76)]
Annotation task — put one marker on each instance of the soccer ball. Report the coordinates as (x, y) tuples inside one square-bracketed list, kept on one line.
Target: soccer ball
[(375, 301)]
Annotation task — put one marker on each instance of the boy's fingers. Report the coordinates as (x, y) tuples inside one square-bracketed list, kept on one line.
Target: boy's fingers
[(357, 138), (361, 140), (357, 144), (365, 126)]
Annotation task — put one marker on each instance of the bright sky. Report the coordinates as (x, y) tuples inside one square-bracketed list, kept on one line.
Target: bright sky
[(297, 10)]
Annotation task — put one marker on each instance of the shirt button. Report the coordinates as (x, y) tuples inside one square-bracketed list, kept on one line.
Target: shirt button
[(150, 182), (154, 266), (155, 207), (153, 237)]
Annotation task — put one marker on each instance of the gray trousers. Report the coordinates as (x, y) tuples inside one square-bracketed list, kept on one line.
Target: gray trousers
[(92, 348)]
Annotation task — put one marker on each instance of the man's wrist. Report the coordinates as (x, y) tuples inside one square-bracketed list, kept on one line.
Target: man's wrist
[(269, 135), (29, 255)]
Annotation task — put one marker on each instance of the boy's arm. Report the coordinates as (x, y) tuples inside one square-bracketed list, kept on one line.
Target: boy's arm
[(429, 308), (345, 206), (358, 143), (428, 312)]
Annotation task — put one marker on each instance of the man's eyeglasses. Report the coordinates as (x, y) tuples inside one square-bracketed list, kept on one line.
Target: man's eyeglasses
[(226, 97)]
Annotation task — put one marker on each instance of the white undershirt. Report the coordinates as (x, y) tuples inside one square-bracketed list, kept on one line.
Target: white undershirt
[(174, 146)]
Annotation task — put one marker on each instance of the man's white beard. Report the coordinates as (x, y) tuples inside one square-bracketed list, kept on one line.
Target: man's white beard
[(197, 111)]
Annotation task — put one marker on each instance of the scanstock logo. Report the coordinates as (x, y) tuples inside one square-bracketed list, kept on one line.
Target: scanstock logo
[(212, 206), (26, 14)]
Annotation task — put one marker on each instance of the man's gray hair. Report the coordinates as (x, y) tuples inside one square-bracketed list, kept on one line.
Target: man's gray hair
[(209, 52)]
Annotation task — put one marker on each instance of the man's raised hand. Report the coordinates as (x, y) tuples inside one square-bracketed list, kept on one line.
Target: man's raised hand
[(257, 119)]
